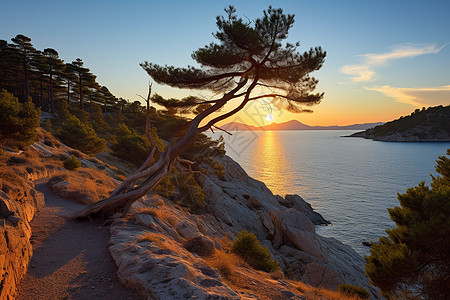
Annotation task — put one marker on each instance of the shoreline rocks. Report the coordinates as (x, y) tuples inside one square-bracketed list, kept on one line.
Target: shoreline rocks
[(284, 225)]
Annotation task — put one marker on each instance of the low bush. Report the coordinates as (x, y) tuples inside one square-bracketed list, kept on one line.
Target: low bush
[(165, 187), (130, 146), (72, 163), (247, 246), (82, 136), (354, 290), (188, 192)]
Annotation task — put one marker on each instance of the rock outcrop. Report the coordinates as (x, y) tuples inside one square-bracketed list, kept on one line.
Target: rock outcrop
[(284, 225), (151, 256), (18, 204)]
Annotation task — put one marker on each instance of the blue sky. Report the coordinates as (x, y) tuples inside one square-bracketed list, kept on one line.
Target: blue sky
[(385, 58)]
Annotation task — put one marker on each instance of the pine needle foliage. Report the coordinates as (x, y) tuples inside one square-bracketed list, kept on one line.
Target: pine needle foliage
[(18, 121), (250, 51), (414, 259)]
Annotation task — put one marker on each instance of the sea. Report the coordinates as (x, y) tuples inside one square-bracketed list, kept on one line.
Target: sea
[(350, 181)]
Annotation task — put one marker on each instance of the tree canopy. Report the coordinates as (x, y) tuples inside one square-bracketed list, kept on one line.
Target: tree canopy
[(43, 78), (414, 260), (246, 55)]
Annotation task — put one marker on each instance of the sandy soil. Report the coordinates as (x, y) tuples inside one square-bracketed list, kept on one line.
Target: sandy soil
[(71, 259)]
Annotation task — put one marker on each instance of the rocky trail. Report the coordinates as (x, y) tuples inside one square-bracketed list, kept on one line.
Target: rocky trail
[(70, 259)]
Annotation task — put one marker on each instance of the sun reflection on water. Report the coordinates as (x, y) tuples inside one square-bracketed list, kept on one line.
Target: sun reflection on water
[(270, 163)]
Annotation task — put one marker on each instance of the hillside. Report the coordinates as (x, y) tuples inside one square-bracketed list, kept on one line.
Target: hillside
[(426, 125), (293, 125), (153, 247)]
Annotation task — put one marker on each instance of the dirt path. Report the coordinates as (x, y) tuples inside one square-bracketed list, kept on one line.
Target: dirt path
[(71, 259)]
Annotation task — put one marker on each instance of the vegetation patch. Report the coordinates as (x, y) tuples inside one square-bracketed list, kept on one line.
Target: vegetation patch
[(72, 163), (226, 263), (247, 246), (18, 121), (349, 289)]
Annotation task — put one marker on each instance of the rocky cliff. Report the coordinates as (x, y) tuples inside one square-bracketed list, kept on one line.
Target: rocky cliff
[(150, 245), (19, 201), (163, 251)]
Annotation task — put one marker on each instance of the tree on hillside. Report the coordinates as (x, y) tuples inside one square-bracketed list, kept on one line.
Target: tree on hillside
[(24, 54), (69, 76), (18, 121), (414, 260), (53, 66), (84, 78), (246, 55)]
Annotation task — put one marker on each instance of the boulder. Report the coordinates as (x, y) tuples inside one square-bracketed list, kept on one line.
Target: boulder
[(293, 227), (200, 245), (163, 269)]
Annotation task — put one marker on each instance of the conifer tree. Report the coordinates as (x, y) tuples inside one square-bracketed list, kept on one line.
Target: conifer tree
[(25, 53), (53, 67), (84, 78), (413, 261), (70, 77), (246, 55)]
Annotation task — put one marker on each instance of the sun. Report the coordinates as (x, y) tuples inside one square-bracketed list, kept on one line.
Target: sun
[(269, 117)]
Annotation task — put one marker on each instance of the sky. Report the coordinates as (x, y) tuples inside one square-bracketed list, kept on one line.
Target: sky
[(384, 58)]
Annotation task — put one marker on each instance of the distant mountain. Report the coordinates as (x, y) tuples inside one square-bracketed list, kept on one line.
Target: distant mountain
[(293, 125), (426, 125)]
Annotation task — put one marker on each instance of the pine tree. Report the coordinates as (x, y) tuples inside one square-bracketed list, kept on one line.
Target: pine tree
[(53, 66), (246, 55), (414, 259), (25, 55), (84, 78)]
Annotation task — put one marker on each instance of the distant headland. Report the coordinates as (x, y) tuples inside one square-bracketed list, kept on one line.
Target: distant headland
[(425, 125), (293, 125)]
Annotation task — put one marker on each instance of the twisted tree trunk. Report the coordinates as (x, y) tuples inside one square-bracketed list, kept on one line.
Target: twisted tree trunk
[(127, 192)]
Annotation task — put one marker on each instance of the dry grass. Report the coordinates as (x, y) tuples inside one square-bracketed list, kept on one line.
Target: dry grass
[(161, 213), (320, 293), (163, 242), (149, 211), (226, 264), (86, 185), (150, 237)]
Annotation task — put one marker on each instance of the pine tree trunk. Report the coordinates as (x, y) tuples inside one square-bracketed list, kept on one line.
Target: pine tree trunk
[(81, 96), (52, 103), (27, 84)]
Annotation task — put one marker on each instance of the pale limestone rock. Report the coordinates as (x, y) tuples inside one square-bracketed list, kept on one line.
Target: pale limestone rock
[(163, 270), (283, 225)]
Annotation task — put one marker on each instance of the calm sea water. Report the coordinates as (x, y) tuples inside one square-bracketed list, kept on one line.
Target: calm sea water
[(350, 181)]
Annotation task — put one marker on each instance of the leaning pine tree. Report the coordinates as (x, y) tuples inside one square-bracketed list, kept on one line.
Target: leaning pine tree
[(246, 55)]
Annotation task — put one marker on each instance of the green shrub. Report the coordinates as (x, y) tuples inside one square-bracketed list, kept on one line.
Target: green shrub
[(354, 290), (165, 187), (72, 163), (97, 121), (247, 246), (189, 193), (130, 146), (81, 136), (18, 121)]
